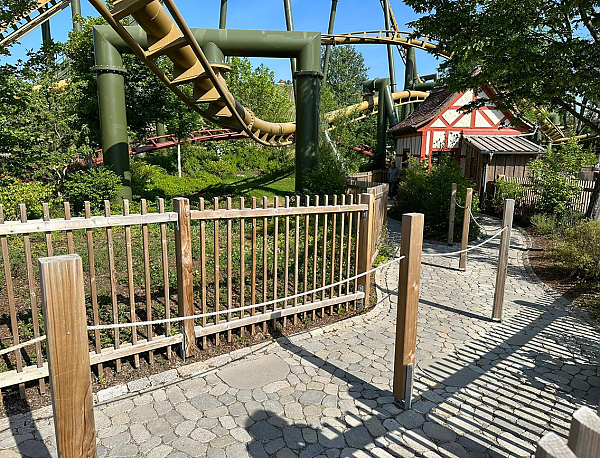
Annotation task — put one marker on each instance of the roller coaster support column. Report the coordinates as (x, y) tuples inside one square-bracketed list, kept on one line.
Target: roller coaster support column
[(385, 113), (111, 102), (76, 14), (223, 15), (390, 48), (289, 22), (160, 131), (308, 85), (329, 31), (46, 35), (410, 72)]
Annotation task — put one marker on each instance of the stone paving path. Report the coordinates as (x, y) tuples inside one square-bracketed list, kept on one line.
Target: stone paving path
[(482, 389)]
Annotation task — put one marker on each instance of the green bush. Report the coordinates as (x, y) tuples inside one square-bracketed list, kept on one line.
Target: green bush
[(555, 225), (580, 251), (32, 194), (328, 177), (430, 193), (507, 190), (96, 184)]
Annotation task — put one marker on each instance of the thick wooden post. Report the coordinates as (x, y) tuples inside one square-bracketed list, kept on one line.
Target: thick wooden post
[(552, 446), (65, 319), (452, 213), (411, 246), (462, 264), (365, 254), (584, 435), (185, 282), (507, 221)]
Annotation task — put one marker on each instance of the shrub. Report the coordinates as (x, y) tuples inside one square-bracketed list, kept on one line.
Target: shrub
[(554, 225), (95, 184), (580, 251), (507, 190), (328, 177), (32, 194), (430, 193)]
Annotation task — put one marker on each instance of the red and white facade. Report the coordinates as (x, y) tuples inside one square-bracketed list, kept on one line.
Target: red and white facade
[(444, 131)]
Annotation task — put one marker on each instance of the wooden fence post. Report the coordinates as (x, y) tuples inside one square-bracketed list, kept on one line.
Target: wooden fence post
[(65, 319), (411, 245), (365, 253), (584, 435), (185, 282), (452, 212), (462, 264), (507, 221)]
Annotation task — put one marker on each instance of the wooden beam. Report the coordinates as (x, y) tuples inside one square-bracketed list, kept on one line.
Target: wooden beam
[(63, 302), (552, 446), (462, 264), (365, 253), (584, 435), (267, 212), (185, 284), (411, 246), (452, 214), (507, 221)]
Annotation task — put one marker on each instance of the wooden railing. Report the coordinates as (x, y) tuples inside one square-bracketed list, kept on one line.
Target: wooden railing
[(373, 176), (155, 265), (580, 203), (583, 441)]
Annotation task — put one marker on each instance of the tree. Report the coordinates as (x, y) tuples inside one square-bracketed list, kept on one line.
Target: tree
[(535, 52), (347, 72), (11, 10)]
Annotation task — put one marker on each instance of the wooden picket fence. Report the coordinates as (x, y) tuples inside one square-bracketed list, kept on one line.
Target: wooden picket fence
[(583, 441), (154, 265), (580, 203), (373, 176)]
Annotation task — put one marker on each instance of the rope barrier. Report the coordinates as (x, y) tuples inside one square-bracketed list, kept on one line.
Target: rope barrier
[(477, 222), (4, 351), (103, 327), (456, 203), (452, 253)]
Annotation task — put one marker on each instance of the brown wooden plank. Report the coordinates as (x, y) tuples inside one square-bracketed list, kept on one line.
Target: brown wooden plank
[(147, 283), (315, 254), (272, 211), (332, 252), (411, 245), (242, 258), (46, 215), (306, 245), (552, 446), (185, 279), (584, 435), (89, 236), (31, 282), (366, 246), (253, 268), (462, 264), (217, 268), (203, 269), (296, 257), (286, 259), (452, 214), (275, 255), (65, 319), (130, 284), (229, 270), (324, 254), (165, 270), (349, 245), (341, 255), (113, 280), (357, 245), (265, 261), (70, 244), (12, 309)]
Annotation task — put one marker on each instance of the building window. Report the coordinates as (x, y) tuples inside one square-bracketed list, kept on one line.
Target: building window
[(436, 156)]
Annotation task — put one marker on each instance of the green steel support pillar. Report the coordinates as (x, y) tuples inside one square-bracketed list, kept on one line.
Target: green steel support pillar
[(111, 102), (46, 35), (289, 22), (390, 48), (76, 14), (160, 131), (329, 31), (223, 15), (381, 128), (409, 76), (308, 85)]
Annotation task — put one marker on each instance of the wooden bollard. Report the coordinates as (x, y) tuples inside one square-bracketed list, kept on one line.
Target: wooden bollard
[(365, 249), (584, 435), (65, 319), (185, 281), (462, 264), (452, 214), (507, 221), (409, 282)]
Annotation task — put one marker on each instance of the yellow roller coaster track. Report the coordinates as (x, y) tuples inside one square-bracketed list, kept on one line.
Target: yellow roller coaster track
[(43, 11)]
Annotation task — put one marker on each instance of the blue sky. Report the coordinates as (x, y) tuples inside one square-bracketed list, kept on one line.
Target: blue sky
[(309, 15)]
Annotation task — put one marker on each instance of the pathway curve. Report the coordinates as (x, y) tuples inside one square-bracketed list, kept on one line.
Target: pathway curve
[(482, 389)]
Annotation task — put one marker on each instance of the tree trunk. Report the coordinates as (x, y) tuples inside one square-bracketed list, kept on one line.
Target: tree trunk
[(593, 210)]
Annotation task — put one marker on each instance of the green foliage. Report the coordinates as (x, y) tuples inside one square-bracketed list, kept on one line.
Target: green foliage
[(328, 177), (542, 51), (346, 74), (580, 252), (507, 190), (31, 193), (553, 177), (95, 185), (430, 193), (555, 225)]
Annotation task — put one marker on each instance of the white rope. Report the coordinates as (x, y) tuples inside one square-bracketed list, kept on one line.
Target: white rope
[(456, 203), (103, 327), (4, 351), (452, 253), (477, 222)]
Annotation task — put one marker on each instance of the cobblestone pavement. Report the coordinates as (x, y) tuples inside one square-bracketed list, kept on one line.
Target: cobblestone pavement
[(482, 389)]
